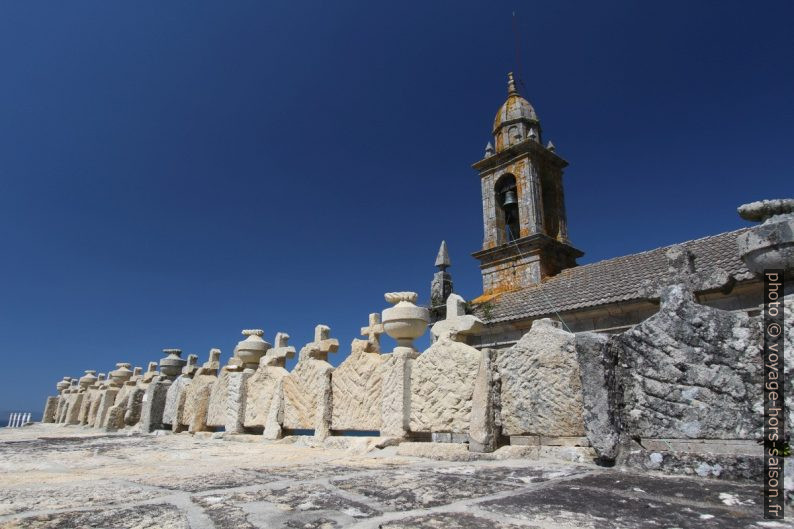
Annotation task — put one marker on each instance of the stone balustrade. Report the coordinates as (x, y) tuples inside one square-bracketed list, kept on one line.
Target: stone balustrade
[(686, 377)]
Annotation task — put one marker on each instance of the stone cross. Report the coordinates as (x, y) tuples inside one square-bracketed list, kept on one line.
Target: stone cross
[(190, 368), (212, 365), (457, 324), (151, 372), (277, 356), (321, 346), (373, 332)]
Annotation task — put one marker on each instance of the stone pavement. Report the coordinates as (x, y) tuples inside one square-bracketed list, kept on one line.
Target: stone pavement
[(70, 477)]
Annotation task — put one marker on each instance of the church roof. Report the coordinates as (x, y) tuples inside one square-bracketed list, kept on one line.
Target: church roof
[(613, 280)]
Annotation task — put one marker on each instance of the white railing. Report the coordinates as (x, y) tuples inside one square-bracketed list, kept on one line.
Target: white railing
[(15, 420)]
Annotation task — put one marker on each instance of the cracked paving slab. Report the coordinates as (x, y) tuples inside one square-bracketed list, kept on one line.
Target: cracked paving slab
[(404, 490), (302, 505), (159, 516), (630, 501), (63, 477)]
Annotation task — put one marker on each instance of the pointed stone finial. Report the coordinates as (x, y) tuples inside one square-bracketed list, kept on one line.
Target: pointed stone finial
[(489, 150), (511, 85), (550, 146), (442, 259)]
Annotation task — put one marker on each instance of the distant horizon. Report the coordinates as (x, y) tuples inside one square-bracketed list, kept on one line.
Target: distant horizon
[(172, 176)]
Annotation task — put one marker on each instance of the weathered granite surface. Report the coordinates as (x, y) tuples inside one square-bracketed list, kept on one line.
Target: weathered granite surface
[(690, 371), (442, 385), (58, 477), (485, 424), (395, 411), (198, 392), (356, 389), (197, 398), (541, 390), (598, 369), (307, 389), (219, 394), (260, 390), (304, 392), (153, 405), (175, 400), (49, 409)]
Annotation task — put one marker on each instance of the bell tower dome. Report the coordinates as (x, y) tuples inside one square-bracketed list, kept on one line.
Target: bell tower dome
[(524, 222)]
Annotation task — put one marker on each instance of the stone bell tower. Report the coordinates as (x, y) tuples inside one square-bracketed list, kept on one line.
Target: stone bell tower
[(525, 227)]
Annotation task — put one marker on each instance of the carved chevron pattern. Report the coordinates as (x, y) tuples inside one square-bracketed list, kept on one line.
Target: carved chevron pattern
[(303, 389), (442, 384), (356, 386)]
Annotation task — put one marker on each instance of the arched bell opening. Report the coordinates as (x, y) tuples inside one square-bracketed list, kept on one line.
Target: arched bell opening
[(507, 219)]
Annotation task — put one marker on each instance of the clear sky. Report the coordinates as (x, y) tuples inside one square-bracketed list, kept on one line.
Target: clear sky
[(174, 172)]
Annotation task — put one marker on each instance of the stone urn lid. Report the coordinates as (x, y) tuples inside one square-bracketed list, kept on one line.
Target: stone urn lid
[(172, 364), (122, 374), (250, 350), (770, 245), (63, 384), (404, 321), (88, 379)]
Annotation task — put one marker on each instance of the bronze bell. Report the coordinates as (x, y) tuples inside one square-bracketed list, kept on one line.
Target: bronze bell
[(510, 198)]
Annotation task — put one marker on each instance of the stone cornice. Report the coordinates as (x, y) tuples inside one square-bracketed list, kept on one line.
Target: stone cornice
[(515, 151)]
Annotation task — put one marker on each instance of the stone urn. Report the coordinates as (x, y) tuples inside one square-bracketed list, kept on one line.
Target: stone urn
[(252, 349), (122, 374), (769, 245), (63, 384), (88, 379), (171, 366), (404, 322)]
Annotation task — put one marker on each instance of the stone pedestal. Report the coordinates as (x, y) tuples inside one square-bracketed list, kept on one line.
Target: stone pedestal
[(275, 416), (482, 431), (235, 400), (396, 392)]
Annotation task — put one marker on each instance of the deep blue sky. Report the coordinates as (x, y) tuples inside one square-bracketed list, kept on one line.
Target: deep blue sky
[(173, 172)]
